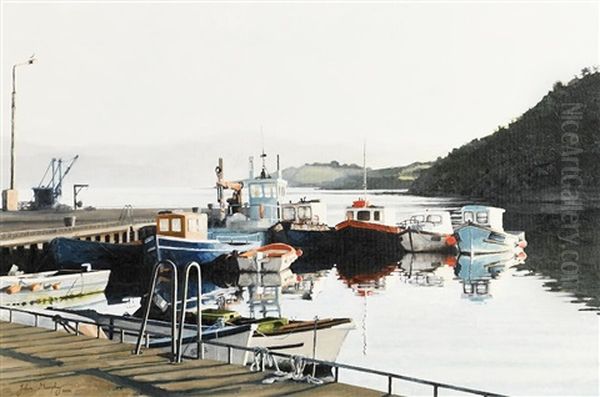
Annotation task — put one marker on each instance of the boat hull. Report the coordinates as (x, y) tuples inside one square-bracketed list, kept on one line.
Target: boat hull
[(316, 243), (328, 343), (475, 239), (181, 251), (357, 239), (49, 286), (420, 241)]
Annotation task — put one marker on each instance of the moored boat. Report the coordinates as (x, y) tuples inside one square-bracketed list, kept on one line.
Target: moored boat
[(482, 231), (48, 286), (304, 225), (182, 238), (365, 228), (274, 257), (293, 337), (429, 231)]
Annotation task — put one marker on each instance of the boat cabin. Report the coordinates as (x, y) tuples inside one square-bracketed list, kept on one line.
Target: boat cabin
[(481, 215), (430, 221), (186, 225), (304, 212), (264, 197), (361, 210)]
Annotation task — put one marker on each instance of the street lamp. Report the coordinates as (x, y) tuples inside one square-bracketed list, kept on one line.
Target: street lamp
[(12, 120)]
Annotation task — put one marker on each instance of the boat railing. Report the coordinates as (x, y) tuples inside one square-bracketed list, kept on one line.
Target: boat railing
[(437, 386)]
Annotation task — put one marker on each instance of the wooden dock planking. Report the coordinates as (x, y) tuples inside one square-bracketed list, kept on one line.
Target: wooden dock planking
[(37, 361)]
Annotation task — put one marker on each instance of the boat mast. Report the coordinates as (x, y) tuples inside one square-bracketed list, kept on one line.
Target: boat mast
[(365, 168)]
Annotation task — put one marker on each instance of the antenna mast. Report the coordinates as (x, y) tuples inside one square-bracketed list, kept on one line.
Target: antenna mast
[(365, 168)]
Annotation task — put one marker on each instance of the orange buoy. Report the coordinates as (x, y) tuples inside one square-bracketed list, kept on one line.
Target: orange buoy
[(522, 244), (13, 289), (35, 287), (450, 261), (56, 285), (451, 240)]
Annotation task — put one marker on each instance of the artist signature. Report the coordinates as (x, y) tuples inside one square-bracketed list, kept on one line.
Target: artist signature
[(52, 389)]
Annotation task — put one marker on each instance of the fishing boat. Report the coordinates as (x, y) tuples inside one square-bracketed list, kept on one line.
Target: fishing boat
[(482, 231), (253, 207), (278, 334), (365, 228), (182, 237), (368, 227), (274, 257), (429, 231), (32, 288), (304, 225)]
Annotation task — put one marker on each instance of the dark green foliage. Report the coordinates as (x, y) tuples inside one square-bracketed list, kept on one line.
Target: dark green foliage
[(525, 160)]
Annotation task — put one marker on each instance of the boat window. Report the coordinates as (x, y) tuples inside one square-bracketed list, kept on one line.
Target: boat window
[(418, 218), (289, 214), (434, 219), (363, 215), (482, 217), (163, 225), (176, 225), (376, 216), (269, 190), (255, 191), (304, 213), (349, 215), (468, 216)]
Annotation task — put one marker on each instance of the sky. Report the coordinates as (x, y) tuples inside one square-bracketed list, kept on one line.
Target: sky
[(153, 93)]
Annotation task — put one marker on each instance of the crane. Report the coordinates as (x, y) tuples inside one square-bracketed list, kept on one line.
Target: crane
[(50, 187)]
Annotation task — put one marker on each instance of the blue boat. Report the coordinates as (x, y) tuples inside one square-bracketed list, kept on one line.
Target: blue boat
[(482, 232), (182, 238), (251, 210)]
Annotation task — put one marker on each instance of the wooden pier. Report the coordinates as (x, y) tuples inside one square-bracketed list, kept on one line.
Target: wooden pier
[(43, 362)]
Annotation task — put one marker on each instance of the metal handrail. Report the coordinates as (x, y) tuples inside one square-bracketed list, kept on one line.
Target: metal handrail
[(151, 292), (389, 375), (186, 279), (58, 230), (336, 366)]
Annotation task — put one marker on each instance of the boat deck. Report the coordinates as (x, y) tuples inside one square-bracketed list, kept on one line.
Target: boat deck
[(43, 362)]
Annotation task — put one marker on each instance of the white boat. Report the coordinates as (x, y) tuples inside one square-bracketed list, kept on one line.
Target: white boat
[(274, 257), (298, 337), (482, 232), (428, 231), (48, 286)]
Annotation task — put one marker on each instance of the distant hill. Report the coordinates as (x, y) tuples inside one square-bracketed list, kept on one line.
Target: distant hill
[(334, 175), (553, 147)]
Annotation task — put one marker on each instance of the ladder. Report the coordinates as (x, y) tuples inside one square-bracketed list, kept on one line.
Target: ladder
[(177, 324)]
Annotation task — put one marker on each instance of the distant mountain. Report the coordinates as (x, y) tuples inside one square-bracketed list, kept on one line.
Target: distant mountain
[(552, 149), (334, 175)]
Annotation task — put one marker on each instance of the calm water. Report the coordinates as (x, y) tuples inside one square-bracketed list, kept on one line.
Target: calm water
[(532, 330)]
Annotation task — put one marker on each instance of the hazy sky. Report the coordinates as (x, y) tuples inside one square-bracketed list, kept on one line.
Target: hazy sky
[(134, 87)]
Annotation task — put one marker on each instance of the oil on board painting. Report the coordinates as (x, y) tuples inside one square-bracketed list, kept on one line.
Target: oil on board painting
[(277, 198)]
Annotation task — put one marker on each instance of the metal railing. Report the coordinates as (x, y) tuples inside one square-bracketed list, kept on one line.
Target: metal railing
[(437, 386), (63, 229)]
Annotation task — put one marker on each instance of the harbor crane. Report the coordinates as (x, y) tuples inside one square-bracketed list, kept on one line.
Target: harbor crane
[(46, 194)]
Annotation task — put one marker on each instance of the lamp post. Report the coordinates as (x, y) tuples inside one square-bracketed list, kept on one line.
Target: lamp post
[(12, 120)]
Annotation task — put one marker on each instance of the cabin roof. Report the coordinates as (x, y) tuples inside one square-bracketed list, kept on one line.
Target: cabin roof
[(481, 208)]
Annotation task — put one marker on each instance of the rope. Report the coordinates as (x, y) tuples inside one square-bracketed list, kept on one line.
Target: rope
[(297, 365)]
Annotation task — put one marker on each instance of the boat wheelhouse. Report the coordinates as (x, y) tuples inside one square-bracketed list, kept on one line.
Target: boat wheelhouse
[(252, 209), (304, 225), (428, 231), (482, 231)]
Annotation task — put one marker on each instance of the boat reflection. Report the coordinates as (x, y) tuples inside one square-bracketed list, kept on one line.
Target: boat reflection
[(476, 272), (420, 269)]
